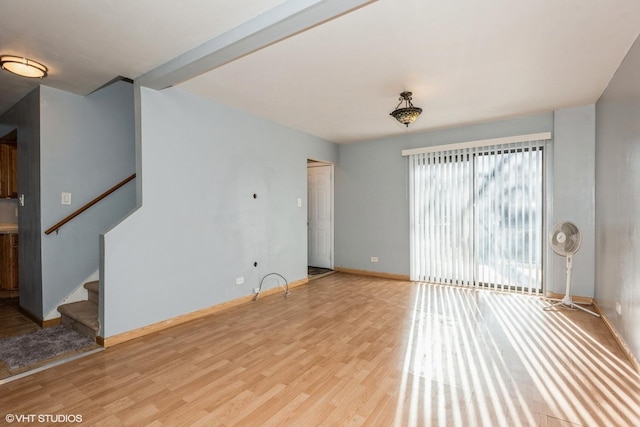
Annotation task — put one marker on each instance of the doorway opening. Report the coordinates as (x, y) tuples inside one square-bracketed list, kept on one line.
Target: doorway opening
[(319, 219), (9, 284)]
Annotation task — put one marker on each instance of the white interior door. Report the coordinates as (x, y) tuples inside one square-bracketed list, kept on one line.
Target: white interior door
[(320, 215)]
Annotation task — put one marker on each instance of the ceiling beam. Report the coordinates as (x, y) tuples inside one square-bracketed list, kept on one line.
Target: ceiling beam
[(288, 18)]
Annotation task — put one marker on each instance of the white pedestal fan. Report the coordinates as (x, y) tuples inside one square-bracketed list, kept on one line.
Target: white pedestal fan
[(565, 240)]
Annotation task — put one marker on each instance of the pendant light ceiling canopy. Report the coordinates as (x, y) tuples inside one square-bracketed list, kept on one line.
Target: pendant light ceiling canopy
[(23, 66), (408, 113)]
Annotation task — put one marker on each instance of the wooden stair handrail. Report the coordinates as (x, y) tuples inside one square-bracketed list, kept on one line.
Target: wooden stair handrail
[(88, 205)]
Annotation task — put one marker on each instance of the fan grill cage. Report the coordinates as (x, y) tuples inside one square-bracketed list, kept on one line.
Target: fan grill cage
[(565, 238)]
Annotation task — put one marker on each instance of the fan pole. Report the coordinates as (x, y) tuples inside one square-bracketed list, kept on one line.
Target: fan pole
[(567, 301), (567, 290)]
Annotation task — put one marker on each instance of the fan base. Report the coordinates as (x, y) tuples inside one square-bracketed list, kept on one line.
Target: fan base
[(567, 302)]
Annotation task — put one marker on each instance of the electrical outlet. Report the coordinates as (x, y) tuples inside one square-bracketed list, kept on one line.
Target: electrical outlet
[(239, 280), (374, 259), (256, 290), (618, 308)]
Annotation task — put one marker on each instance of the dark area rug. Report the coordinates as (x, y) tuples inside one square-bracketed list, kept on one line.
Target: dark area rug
[(29, 349), (314, 271)]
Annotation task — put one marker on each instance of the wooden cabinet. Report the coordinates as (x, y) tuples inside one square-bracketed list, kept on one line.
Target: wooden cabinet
[(9, 284), (8, 170)]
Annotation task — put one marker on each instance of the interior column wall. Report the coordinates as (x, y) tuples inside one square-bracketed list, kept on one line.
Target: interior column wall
[(25, 117), (574, 195)]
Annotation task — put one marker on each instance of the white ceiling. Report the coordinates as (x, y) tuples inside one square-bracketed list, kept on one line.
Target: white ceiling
[(465, 61)]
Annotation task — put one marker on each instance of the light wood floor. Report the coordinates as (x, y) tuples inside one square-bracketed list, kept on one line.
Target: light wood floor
[(13, 322), (350, 350)]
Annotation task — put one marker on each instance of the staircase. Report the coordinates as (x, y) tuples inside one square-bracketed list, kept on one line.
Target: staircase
[(83, 315)]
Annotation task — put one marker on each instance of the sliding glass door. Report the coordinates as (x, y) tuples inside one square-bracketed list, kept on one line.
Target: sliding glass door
[(476, 216)]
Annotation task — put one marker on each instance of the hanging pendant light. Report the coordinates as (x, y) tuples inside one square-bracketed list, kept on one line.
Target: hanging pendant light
[(408, 113), (23, 66)]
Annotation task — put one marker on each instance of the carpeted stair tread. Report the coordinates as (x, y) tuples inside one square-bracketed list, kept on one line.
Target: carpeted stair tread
[(84, 312), (92, 286), (93, 291)]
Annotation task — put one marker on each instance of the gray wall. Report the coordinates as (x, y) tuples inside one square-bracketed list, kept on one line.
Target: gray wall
[(25, 116), (87, 146), (574, 194), (199, 227), (372, 202), (5, 128), (76, 144), (618, 199)]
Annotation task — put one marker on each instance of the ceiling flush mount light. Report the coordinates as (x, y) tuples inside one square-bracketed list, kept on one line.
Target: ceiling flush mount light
[(23, 66), (408, 113)]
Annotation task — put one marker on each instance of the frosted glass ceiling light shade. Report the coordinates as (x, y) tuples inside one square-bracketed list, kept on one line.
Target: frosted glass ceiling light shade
[(408, 113), (23, 66)]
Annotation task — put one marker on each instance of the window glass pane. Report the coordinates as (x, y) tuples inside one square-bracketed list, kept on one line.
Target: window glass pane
[(507, 240), (477, 217)]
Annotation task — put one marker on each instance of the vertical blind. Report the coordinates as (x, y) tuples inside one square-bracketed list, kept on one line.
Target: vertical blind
[(476, 216)]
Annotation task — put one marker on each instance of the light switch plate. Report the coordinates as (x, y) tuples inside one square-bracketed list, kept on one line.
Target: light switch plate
[(66, 198)]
